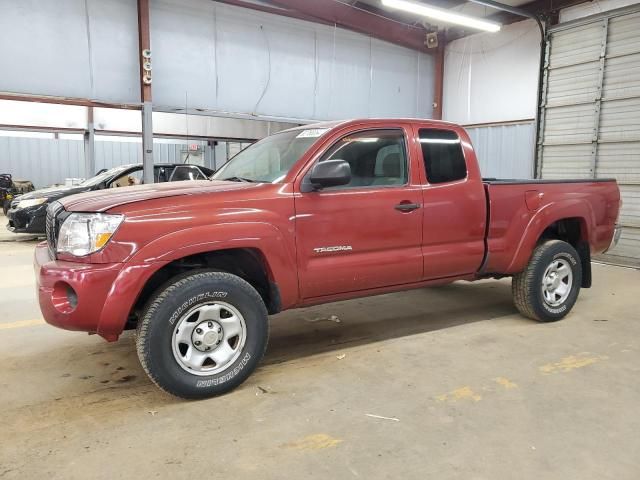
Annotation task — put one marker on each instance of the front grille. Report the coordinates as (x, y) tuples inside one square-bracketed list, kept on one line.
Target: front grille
[(52, 226)]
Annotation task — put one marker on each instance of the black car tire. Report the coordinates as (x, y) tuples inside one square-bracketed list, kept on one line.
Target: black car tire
[(158, 327), (528, 286)]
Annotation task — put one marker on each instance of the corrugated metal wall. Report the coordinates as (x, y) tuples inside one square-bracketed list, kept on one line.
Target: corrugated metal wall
[(41, 160), (591, 121), (47, 161), (504, 150)]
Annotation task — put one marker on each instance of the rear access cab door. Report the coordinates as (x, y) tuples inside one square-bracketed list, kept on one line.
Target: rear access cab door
[(455, 203)]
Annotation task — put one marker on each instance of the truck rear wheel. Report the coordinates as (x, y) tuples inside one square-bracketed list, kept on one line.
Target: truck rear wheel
[(549, 286), (202, 334)]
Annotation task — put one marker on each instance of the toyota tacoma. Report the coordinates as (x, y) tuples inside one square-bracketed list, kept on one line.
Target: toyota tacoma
[(311, 215)]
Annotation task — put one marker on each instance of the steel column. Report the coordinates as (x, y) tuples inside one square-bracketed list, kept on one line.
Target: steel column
[(89, 146), (144, 44), (438, 84)]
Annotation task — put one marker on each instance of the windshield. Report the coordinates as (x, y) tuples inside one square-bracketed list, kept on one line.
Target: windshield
[(270, 159), (101, 177)]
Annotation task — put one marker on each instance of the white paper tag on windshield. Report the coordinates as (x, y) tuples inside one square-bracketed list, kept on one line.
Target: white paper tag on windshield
[(311, 133)]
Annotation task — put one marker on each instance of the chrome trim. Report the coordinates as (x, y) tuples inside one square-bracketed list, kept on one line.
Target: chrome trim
[(617, 231), (52, 227)]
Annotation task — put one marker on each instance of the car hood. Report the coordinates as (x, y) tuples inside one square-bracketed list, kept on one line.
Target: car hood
[(103, 200), (52, 192)]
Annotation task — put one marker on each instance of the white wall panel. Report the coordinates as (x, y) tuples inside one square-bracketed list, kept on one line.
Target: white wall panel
[(114, 50), (493, 77), (221, 58), (209, 56), (344, 74), (44, 47), (504, 151), (395, 80), (73, 48), (182, 56)]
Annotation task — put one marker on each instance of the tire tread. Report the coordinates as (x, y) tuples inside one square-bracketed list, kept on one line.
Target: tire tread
[(164, 291), (522, 283)]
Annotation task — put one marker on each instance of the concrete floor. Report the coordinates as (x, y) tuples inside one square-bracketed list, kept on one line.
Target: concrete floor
[(440, 383)]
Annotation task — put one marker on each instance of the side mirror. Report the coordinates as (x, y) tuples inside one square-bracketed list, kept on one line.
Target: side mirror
[(330, 173)]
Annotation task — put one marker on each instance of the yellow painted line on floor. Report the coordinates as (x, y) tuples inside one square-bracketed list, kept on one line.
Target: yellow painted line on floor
[(319, 441), (572, 362), (462, 393), (21, 324), (505, 382)]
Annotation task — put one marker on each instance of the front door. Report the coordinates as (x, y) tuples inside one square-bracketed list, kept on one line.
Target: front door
[(368, 233)]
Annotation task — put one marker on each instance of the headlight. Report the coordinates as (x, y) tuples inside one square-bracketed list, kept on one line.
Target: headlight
[(85, 233), (31, 203)]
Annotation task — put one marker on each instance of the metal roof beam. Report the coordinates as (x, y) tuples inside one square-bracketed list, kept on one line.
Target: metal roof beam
[(346, 16)]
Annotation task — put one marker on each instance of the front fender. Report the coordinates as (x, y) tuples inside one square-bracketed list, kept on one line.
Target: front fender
[(277, 251), (542, 219)]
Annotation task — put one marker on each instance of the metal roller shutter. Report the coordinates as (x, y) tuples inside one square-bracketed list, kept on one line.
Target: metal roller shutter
[(590, 118)]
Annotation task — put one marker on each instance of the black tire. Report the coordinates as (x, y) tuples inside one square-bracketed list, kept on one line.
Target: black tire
[(527, 288), (154, 339)]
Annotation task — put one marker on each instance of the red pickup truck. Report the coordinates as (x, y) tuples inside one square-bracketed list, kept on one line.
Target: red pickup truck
[(311, 215)]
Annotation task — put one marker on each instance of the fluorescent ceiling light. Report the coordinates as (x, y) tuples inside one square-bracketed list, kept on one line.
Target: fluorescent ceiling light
[(442, 15)]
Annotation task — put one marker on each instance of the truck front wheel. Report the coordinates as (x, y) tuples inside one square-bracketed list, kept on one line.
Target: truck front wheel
[(202, 334), (549, 286)]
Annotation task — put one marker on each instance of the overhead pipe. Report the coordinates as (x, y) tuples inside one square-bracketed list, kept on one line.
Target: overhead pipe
[(514, 10)]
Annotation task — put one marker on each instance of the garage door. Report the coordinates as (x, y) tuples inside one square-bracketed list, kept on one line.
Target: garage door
[(590, 119)]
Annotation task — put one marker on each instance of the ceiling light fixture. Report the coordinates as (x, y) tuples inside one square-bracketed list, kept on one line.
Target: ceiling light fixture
[(442, 15)]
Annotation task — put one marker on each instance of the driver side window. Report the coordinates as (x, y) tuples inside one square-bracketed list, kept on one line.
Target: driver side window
[(376, 157)]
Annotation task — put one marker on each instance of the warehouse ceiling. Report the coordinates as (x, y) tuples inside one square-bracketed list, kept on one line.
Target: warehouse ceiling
[(371, 17)]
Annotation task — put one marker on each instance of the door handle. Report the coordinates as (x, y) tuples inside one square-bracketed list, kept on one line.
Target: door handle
[(406, 207)]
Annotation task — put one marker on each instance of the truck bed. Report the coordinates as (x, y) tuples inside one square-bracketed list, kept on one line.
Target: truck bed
[(520, 210)]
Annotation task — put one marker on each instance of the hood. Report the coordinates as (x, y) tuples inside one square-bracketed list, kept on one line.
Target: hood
[(103, 200), (52, 192)]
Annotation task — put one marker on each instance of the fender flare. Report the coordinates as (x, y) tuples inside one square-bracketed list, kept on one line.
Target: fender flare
[(137, 270), (545, 217)]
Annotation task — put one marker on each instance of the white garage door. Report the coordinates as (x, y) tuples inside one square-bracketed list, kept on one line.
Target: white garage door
[(590, 122)]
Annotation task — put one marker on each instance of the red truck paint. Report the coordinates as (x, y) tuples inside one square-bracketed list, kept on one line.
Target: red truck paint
[(466, 230)]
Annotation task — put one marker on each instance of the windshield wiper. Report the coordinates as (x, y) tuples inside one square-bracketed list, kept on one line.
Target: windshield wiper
[(238, 179)]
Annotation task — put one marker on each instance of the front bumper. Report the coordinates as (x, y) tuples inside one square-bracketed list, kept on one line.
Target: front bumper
[(617, 231), (28, 220), (88, 297), (72, 295)]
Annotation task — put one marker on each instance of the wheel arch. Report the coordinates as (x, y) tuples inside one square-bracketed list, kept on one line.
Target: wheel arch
[(570, 222), (262, 257), (250, 264)]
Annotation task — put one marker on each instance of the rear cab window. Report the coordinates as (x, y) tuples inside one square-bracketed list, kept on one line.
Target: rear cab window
[(443, 156)]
